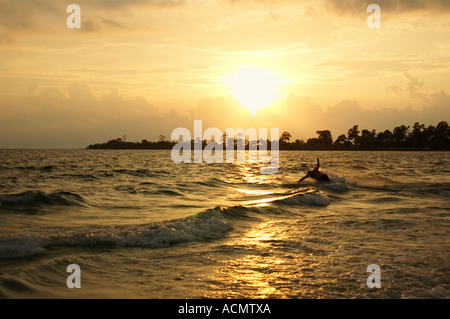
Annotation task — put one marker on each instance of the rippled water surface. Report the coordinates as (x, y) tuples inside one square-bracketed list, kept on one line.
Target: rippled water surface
[(140, 226)]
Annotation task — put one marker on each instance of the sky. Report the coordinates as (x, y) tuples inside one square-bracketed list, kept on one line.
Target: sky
[(142, 68)]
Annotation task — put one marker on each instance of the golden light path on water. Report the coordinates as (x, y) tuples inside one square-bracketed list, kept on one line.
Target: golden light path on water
[(257, 272), (266, 267), (252, 271), (281, 255)]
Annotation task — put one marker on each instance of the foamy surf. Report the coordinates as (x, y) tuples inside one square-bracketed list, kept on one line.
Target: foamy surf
[(209, 225), (20, 247)]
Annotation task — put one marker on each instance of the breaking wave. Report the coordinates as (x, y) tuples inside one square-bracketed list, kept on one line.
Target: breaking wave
[(208, 225)]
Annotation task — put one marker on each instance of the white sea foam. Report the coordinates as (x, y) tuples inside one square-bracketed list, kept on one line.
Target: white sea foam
[(208, 225), (21, 247)]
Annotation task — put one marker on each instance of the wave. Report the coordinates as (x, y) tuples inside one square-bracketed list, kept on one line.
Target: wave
[(337, 187), (387, 184), (213, 182), (136, 172), (20, 247), (147, 183), (31, 198), (80, 176), (310, 198), (133, 190), (141, 172), (169, 192), (126, 189), (47, 168), (208, 225)]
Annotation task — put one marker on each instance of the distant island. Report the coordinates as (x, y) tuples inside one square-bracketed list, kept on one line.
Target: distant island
[(415, 138)]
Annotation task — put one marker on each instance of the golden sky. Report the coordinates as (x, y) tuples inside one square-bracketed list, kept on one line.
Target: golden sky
[(145, 67)]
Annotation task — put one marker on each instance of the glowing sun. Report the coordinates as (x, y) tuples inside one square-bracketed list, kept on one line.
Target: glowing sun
[(253, 88)]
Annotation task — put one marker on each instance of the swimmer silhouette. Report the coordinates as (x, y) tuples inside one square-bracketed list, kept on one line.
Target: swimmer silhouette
[(315, 174)]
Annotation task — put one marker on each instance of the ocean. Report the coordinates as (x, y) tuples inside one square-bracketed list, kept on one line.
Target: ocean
[(139, 226)]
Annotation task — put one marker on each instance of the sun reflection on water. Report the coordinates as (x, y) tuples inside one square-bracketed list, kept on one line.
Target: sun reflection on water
[(258, 272), (261, 263), (250, 167)]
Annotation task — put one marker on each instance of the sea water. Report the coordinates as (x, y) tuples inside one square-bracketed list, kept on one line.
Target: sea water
[(140, 226)]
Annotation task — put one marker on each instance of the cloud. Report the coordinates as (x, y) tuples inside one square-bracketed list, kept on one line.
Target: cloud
[(413, 87), (112, 23), (395, 88), (41, 15), (75, 118), (359, 6), (394, 6), (23, 14), (304, 117), (222, 112), (113, 4), (339, 118)]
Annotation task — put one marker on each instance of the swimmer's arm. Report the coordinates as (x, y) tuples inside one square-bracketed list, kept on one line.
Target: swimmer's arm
[(318, 164), (301, 179)]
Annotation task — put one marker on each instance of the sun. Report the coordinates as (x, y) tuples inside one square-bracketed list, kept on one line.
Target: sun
[(253, 88)]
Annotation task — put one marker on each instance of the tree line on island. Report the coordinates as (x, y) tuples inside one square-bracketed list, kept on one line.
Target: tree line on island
[(417, 137)]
